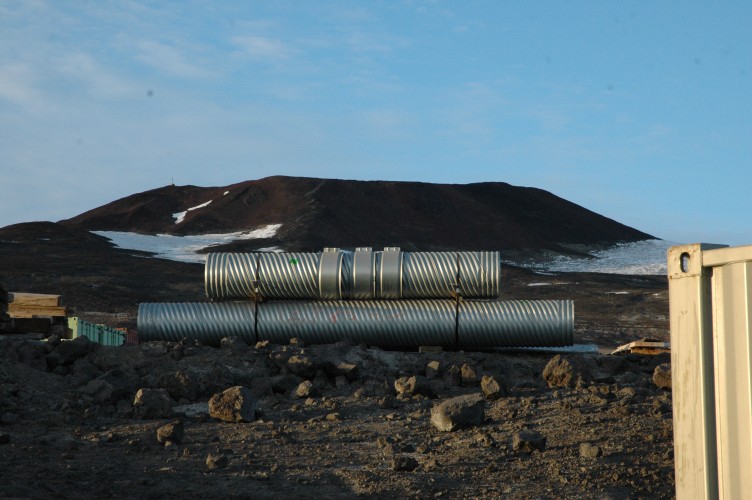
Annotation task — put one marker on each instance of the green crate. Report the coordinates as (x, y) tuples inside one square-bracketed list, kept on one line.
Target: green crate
[(101, 334)]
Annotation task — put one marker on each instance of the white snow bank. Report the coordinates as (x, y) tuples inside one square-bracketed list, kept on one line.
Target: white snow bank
[(183, 248), (180, 216), (640, 257), (271, 250)]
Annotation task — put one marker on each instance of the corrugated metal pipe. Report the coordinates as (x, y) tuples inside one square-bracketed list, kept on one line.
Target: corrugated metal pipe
[(362, 275), (406, 323)]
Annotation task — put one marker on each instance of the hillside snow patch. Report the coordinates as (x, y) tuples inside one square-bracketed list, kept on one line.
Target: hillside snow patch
[(639, 257), (180, 216), (183, 248)]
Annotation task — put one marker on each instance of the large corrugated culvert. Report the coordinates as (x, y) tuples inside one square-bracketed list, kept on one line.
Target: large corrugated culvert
[(388, 298), (361, 275), (404, 323)]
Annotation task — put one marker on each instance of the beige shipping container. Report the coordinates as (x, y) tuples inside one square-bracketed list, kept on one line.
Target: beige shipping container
[(710, 300)]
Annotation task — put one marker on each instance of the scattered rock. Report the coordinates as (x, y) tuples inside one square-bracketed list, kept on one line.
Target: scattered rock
[(171, 433), (152, 403), (626, 393), (236, 404), (180, 384), (123, 384), (348, 370), (468, 375), (285, 383), (410, 386), (590, 450), (433, 369), (234, 344), (491, 387), (386, 402), (306, 389), (559, 372), (528, 441), (484, 439), (340, 381), (68, 352), (303, 366), (216, 461), (662, 376), (456, 413), (98, 391), (453, 376), (404, 463)]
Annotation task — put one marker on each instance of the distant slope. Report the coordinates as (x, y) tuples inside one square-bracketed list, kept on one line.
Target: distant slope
[(315, 213)]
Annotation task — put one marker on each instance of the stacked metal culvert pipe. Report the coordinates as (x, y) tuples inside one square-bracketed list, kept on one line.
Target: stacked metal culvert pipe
[(390, 299)]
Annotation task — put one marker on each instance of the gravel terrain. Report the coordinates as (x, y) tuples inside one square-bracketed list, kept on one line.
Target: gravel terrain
[(79, 419)]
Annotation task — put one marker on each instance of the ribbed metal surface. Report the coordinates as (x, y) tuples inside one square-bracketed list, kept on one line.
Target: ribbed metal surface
[(289, 275), (516, 323), (230, 275), (205, 321), (429, 275), (480, 274), (365, 275), (406, 323), (381, 323)]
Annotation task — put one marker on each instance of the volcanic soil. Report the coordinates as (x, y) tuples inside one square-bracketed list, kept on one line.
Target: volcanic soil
[(599, 427), (342, 420)]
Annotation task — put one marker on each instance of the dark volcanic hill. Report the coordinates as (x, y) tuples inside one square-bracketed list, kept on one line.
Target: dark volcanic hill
[(106, 284), (316, 213)]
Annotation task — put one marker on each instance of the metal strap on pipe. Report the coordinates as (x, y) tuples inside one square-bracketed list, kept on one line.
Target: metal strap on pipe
[(390, 274), (330, 274), (363, 274)]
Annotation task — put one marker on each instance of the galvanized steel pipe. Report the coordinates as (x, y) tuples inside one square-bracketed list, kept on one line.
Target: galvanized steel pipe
[(383, 323), (408, 323), (231, 275), (516, 323), (204, 321), (362, 275)]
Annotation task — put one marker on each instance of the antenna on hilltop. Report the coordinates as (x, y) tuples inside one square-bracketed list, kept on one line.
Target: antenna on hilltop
[(172, 180)]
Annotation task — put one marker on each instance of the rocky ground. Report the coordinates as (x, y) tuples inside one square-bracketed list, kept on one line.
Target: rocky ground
[(322, 421), (157, 419)]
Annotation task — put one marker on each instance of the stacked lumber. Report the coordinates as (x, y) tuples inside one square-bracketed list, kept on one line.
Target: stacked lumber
[(26, 313), (32, 305)]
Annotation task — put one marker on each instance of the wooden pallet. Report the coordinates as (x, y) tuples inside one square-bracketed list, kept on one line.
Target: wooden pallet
[(644, 346)]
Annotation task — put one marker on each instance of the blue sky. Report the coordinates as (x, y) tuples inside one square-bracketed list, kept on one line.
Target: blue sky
[(640, 111)]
